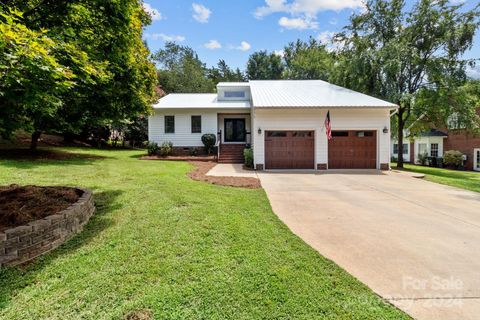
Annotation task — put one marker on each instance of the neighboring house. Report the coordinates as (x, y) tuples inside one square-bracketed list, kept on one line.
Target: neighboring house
[(436, 142), (283, 121)]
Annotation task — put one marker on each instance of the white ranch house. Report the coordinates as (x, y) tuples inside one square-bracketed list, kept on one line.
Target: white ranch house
[(283, 121)]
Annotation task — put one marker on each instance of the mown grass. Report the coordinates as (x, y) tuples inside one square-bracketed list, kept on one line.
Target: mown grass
[(469, 180), (180, 249)]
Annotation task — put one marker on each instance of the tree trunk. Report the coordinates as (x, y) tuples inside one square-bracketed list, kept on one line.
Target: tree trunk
[(34, 143), (401, 125)]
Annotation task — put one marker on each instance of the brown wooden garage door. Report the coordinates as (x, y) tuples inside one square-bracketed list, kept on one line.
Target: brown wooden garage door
[(352, 150), (289, 150)]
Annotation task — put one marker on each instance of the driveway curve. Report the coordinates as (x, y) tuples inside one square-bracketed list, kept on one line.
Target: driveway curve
[(414, 242)]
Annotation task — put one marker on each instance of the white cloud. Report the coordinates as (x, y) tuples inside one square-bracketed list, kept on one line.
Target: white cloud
[(455, 2), (154, 13), (474, 72), (305, 7), (333, 21), (279, 53), (201, 13), (325, 37), (164, 37), (244, 46), (212, 45), (298, 23)]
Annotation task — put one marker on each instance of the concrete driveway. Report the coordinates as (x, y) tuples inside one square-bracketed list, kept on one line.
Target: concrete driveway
[(414, 242)]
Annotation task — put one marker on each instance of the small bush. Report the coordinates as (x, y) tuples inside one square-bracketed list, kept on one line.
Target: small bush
[(453, 158), (422, 159), (208, 141), (393, 159), (193, 151), (152, 148), (248, 155), (166, 149)]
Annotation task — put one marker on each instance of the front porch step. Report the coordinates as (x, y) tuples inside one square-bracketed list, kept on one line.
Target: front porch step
[(231, 161), (231, 153)]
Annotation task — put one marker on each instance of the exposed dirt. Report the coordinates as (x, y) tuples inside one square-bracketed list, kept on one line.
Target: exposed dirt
[(201, 168), (20, 205), (179, 158), (43, 154), (139, 315)]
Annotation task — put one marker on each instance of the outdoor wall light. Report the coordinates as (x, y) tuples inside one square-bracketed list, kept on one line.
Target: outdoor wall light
[(259, 130), (385, 130)]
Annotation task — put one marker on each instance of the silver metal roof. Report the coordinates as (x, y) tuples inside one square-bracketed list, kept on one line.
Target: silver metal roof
[(309, 93), (197, 100), (233, 84)]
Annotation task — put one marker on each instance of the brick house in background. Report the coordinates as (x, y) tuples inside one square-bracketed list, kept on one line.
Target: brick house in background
[(436, 141)]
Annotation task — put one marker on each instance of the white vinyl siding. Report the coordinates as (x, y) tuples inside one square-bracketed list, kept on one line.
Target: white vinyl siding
[(424, 145), (313, 119), (183, 136)]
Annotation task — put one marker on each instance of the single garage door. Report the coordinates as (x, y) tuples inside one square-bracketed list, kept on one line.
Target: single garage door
[(352, 150), (289, 150)]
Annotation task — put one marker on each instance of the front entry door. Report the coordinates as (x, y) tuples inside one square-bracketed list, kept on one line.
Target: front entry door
[(235, 130), (476, 159)]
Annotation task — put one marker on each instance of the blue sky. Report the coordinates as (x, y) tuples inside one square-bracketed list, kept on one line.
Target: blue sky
[(234, 29)]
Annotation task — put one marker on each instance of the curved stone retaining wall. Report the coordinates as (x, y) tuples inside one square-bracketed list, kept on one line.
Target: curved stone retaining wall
[(24, 243)]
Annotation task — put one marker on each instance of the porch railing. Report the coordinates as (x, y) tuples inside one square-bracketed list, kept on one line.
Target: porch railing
[(218, 143)]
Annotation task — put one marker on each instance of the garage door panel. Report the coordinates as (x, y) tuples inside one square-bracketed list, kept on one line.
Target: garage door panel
[(289, 150), (352, 150)]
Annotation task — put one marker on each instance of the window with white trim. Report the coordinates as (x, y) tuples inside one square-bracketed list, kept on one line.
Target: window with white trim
[(422, 148), (169, 124), (405, 148), (234, 94), (434, 150), (196, 124)]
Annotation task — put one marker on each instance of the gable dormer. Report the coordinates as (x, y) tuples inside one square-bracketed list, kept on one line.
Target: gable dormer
[(233, 91)]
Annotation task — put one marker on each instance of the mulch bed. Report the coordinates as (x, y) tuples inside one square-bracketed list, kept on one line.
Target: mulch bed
[(179, 158), (201, 169), (20, 205)]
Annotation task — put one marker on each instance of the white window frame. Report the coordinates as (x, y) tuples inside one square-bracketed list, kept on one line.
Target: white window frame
[(234, 94), (476, 155), (437, 150), (424, 151)]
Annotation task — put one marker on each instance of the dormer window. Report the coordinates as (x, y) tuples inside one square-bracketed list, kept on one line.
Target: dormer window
[(234, 94)]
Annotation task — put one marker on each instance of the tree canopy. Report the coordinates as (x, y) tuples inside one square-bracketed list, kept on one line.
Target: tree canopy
[(262, 65), (180, 70), (307, 60), (97, 46), (394, 53)]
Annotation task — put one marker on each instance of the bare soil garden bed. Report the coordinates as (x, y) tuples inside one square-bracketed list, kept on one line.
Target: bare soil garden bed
[(201, 169), (35, 220), (20, 205), (180, 158)]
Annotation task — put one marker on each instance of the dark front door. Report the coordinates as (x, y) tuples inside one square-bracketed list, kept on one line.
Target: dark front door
[(234, 130)]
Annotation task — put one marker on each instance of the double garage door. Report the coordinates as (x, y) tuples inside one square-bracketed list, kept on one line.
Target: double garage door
[(296, 150)]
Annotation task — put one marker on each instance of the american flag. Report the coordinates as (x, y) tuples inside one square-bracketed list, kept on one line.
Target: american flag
[(328, 127)]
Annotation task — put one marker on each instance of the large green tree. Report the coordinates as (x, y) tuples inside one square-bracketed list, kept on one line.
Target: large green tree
[(32, 80), (100, 43), (394, 52), (180, 70), (262, 65), (307, 60), (223, 73)]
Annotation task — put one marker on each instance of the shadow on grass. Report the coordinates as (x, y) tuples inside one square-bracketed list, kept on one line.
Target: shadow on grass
[(25, 158), (443, 173), (16, 278)]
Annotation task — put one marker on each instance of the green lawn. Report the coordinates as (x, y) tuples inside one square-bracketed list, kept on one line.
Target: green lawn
[(182, 249), (469, 180)]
